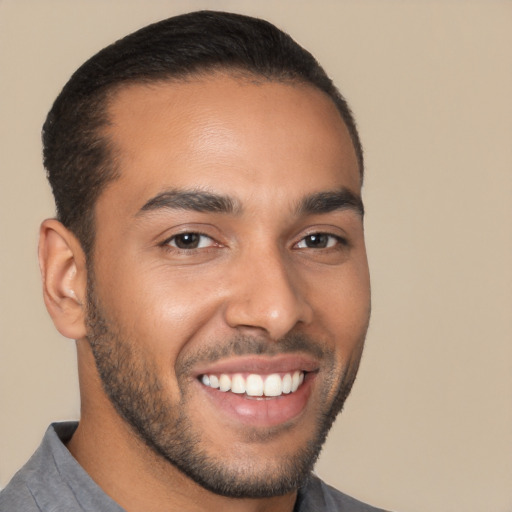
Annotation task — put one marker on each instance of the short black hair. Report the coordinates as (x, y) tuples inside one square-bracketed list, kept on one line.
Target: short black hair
[(77, 155)]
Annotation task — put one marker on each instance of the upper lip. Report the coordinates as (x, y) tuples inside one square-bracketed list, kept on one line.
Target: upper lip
[(283, 363)]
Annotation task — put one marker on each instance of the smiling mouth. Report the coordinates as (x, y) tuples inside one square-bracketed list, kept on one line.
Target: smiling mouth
[(255, 385)]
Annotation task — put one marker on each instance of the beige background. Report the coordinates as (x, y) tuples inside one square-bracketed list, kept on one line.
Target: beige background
[(429, 424)]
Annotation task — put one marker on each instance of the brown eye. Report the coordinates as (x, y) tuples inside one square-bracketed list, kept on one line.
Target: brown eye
[(190, 241), (319, 241)]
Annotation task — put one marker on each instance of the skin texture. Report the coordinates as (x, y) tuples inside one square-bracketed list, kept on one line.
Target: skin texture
[(255, 291)]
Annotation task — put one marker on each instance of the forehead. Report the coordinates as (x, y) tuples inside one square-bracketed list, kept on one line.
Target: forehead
[(230, 133)]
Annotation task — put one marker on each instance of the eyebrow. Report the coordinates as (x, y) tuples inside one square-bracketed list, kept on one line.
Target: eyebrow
[(330, 201), (194, 200), (207, 202)]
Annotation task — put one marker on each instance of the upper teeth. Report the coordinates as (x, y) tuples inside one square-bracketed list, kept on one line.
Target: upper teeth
[(254, 384)]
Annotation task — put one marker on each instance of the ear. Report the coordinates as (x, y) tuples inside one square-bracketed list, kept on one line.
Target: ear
[(63, 271)]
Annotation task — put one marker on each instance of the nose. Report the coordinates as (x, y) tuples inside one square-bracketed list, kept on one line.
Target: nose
[(266, 295)]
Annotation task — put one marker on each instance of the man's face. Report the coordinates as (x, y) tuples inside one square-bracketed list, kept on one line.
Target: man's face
[(229, 297)]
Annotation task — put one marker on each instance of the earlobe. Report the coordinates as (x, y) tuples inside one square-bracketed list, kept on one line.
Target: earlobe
[(63, 271)]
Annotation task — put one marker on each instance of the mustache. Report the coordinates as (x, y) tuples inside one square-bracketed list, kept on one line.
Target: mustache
[(244, 345)]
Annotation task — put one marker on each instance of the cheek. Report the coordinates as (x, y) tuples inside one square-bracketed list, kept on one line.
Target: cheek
[(159, 307), (343, 308)]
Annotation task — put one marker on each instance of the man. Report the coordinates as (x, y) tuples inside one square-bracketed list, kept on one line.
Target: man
[(208, 257)]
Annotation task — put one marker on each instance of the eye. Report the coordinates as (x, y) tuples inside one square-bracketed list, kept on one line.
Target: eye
[(190, 241), (320, 241)]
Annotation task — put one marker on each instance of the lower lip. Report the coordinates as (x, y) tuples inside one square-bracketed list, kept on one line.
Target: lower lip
[(261, 411)]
